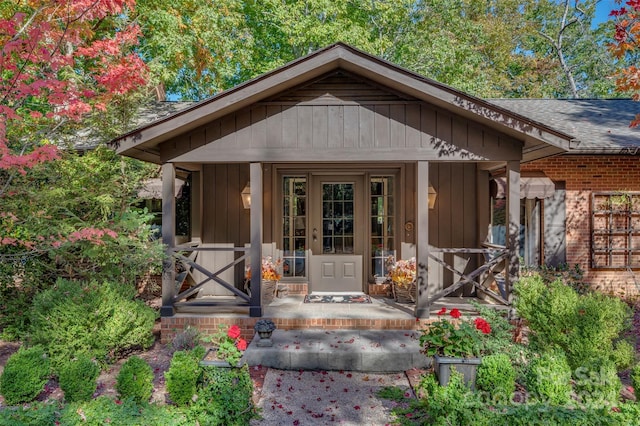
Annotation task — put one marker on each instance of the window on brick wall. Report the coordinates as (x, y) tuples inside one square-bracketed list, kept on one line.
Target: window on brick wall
[(615, 230)]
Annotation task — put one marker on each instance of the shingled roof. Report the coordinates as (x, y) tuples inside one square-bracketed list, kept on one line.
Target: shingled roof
[(600, 126)]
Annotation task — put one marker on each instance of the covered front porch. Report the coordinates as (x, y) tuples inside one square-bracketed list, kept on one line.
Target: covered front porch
[(348, 252)]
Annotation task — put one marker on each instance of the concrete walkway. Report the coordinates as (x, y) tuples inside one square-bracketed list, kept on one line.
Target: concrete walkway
[(346, 350), (328, 398)]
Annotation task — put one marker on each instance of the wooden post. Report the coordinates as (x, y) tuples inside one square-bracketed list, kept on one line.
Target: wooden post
[(168, 239), (422, 241), (513, 224), (255, 176)]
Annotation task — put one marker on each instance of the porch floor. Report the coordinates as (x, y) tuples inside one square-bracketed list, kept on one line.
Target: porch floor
[(381, 307)]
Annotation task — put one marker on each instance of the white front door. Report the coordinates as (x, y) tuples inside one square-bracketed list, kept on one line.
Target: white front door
[(337, 234)]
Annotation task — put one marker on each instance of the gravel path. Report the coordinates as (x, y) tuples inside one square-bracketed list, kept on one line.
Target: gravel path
[(326, 398)]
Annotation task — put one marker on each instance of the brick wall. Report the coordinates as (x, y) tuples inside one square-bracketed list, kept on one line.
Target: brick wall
[(209, 324), (582, 175)]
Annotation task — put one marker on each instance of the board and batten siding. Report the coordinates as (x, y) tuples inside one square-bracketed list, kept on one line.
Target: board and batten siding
[(329, 121), (453, 220)]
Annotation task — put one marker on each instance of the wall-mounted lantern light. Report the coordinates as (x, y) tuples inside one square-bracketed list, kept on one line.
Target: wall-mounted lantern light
[(246, 196), (432, 197)]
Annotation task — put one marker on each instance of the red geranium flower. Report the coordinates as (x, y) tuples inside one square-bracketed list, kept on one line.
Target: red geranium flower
[(241, 344), (482, 325), (234, 332), (442, 311), (455, 313)]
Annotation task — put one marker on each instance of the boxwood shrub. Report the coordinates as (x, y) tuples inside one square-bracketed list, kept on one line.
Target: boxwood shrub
[(549, 378), (182, 376), (135, 380), (24, 375), (100, 320), (497, 378), (78, 379)]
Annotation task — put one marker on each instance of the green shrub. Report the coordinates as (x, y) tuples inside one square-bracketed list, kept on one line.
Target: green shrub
[(624, 354), (597, 383), (78, 379), (101, 321), (549, 311), (105, 411), (583, 326), (36, 414), (224, 397), (24, 375), (182, 377), (135, 380), (454, 404), (635, 381), (497, 377), (549, 378), (500, 341)]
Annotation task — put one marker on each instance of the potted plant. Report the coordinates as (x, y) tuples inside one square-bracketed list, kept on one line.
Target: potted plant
[(264, 328), (226, 348), (270, 277), (402, 274), (453, 342)]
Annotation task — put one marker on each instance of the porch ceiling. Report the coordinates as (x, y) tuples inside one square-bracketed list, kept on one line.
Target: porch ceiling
[(538, 140)]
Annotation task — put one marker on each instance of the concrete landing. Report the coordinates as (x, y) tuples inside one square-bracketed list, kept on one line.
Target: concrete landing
[(352, 350)]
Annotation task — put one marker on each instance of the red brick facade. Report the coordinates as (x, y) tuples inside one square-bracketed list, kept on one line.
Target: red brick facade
[(209, 324), (582, 175)]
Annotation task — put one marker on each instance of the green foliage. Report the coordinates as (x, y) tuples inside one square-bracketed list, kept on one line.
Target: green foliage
[(573, 277), (34, 414), (462, 340), (498, 49), (224, 397), (228, 343), (635, 380), (624, 354), (453, 404), (549, 378), (135, 380), (497, 377), (182, 376), (104, 410), (583, 326), (63, 220), (597, 383), (24, 375), (392, 393), (99, 320), (78, 379), (500, 341)]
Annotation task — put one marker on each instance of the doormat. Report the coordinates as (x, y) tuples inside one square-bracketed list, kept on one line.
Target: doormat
[(337, 298)]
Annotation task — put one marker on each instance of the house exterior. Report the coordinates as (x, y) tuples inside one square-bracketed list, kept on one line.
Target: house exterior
[(347, 159), (592, 220)]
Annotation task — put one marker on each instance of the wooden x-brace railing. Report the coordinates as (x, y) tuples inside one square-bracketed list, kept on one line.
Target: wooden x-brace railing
[(496, 257), (211, 276)]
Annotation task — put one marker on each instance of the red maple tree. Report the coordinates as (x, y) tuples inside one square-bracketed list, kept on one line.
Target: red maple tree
[(60, 60), (627, 45)]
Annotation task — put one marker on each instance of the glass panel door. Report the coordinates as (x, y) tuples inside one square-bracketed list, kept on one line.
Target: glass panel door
[(337, 225), (382, 224), (338, 218), (294, 226)]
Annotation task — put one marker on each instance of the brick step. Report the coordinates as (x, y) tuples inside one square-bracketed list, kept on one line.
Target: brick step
[(349, 350)]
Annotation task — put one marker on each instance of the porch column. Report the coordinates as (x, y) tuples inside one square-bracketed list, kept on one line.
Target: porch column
[(513, 225), (255, 180), (422, 240), (168, 239)]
